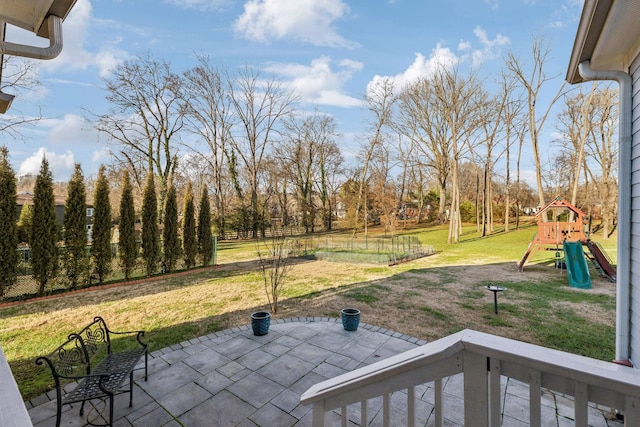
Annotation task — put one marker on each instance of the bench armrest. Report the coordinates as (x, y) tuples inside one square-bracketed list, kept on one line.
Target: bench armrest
[(139, 335)]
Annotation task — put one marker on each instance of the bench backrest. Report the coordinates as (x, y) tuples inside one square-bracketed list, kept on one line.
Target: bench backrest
[(69, 359), (96, 338)]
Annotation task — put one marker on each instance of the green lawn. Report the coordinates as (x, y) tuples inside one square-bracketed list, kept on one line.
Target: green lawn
[(428, 298)]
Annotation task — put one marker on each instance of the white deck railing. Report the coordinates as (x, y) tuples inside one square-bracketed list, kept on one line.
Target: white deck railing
[(483, 359), (13, 413)]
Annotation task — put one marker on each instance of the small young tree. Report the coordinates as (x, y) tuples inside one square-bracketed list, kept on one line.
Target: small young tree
[(205, 241), (44, 252), (274, 255), (9, 241), (150, 234), (76, 260), (24, 223), (101, 231), (189, 238), (170, 242), (127, 249)]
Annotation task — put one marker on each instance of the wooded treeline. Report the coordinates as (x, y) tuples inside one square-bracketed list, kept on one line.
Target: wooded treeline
[(447, 147)]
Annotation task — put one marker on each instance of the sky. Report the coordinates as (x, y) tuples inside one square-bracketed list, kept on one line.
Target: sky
[(327, 51)]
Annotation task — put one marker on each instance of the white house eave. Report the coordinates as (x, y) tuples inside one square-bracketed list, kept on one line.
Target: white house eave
[(599, 39)]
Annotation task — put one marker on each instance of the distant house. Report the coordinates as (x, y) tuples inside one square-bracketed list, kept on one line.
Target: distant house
[(26, 198)]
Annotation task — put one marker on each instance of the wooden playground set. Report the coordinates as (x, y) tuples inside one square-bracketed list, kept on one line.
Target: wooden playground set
[(561, 228)]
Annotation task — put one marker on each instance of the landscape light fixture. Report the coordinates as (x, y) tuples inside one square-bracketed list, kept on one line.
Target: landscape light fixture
[(41, 17)]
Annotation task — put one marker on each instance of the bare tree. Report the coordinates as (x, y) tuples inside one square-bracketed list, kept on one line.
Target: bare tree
[(603, 150), (429, 132), (380, 100), (259, 105), (511, 114), (144, 119), (18, 76), (274, 256), (532, 79), (457, 101), (310, 148), (575, 123), (208, 116)]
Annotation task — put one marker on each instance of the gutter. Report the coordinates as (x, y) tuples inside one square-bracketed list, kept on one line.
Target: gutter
[(54, 25), (623, 280)]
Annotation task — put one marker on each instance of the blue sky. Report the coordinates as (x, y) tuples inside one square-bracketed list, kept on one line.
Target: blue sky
[(329, 51)]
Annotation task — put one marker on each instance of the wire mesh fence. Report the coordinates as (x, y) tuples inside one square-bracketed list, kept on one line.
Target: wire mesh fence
[(27, 287), (378, 250)]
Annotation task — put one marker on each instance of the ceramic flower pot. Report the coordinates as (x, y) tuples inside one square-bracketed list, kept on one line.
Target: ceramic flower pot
[(350, 318), (260, 321)]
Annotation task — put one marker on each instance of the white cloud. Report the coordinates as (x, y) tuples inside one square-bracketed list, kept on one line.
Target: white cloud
[(490, 48), (100, 156), (308, 21), (318, 83), (422, 67), (72, 129), (59, 164), (74, 55), (204, 5)]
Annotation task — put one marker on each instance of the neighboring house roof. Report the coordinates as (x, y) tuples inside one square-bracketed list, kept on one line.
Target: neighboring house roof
[(600, 40), (27, 199)]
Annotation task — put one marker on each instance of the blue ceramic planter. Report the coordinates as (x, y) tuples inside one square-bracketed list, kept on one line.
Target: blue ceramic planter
[(350, 318), (260, 321)]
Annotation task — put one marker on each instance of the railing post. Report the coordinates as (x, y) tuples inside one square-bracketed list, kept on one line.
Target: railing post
[(476, 390), (494, 392), (535, 395), (318, 414), (437, 386), (631, 411)]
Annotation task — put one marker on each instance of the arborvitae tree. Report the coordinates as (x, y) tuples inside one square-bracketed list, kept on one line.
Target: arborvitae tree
[(44, 252), (9, 241), (101, 231), (150, 235), (189, 238), (24, 223), (127, 249), (170, 242), (76, 259), (205, 241)]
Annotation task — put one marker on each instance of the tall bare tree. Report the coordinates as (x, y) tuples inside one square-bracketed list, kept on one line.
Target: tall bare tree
[(511, 115), (603, 150), (379, 101), (457, 100), (312, 154), (208, 116), (533, 78), (144, 119), (260, 105), (429, 133), (575, 124)]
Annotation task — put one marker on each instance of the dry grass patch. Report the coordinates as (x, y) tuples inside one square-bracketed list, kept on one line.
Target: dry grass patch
[(426, 298)]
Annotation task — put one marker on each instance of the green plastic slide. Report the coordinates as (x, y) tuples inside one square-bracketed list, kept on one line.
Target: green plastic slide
[(577, 267)]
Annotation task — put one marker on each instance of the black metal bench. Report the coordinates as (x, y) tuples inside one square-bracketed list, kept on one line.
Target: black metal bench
[(88, 358)]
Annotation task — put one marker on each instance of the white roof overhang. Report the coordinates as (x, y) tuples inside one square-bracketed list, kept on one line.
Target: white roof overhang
[(608, 36)]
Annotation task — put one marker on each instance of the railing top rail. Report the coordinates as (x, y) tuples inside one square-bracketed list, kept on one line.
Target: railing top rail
[(573, 366), (441, 349), (590, 371)]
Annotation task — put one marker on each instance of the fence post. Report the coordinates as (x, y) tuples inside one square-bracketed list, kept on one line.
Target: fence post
[(214, 255)]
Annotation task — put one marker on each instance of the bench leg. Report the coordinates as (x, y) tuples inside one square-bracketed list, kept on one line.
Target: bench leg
[(130, 389), (146, 357), (58, 412), (82, 407), (111, 410)]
